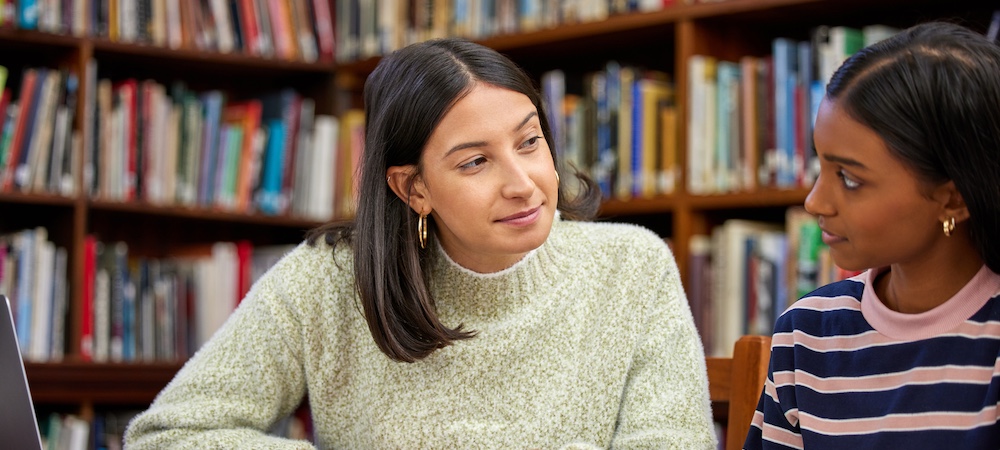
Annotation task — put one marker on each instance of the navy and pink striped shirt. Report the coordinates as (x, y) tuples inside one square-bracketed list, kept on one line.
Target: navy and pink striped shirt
[(848, 372)]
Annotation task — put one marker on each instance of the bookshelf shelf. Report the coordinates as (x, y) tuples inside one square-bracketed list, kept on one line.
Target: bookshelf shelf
[(200, 214), (670, 203), (656, 205), (37, 199), (762, 198), (98, 383), (12, 37), (208, 60)]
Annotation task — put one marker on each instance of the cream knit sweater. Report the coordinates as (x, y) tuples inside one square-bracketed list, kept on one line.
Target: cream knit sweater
[(585, 343)]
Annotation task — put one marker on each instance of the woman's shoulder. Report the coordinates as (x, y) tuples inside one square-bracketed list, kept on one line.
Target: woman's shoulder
[(612, 235), (839, 302), (304, 262), (618, 245)]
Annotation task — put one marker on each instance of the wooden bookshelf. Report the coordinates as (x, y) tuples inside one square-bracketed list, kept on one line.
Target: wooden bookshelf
[(663, 40), (150, 230)]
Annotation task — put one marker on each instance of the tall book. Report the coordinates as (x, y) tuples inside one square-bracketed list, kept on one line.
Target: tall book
[(729, 267)]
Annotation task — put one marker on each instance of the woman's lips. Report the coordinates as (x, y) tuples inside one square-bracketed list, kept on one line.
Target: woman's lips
[(830, 238), (522, 218)]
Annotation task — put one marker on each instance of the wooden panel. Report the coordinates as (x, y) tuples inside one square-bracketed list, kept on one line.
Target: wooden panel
[(105, 384), (719, 386), (749, 371)]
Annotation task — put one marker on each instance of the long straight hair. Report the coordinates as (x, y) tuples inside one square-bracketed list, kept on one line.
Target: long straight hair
[(932, 93), (406, 97)]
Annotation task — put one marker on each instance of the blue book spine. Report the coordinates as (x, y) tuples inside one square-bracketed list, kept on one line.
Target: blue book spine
[(28, 14), (273, 167), (209, 146), (784, 108), (222, 164), (636, 139), (25, 288), (128, 318)]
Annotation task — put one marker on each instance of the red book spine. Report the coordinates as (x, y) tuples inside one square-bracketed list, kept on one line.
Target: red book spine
[(87, 308), (251, 34), (244, 256), (323, 21), (26, 99)]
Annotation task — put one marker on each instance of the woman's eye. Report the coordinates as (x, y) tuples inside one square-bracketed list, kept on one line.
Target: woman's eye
[(473, 163), (531, 142), (849, 183)]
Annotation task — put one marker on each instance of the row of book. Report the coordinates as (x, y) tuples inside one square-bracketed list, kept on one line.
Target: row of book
[(33, 276), (750, 121), (144, 141), (163, 309), (284, 29), (174, 146), (133, 308), (367, 28), (744, 274), (106, 429), (38, 145), (73, 432), (621, 130)]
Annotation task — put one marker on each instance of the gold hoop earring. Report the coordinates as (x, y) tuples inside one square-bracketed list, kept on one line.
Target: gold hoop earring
[(422, 230), (949, 226), (557, 177)]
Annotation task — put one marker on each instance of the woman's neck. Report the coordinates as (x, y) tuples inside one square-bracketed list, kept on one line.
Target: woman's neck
[(920, 287)]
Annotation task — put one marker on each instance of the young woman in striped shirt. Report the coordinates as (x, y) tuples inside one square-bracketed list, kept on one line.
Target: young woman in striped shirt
[(904, 355)]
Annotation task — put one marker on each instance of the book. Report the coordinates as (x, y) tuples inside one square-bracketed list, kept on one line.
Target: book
[(626, 92), (785, 79), (86, 325), (41, 297), (349, 151), (41, 152), (324, 30), (27, 102), (729, 268), (700, 125), (724, 174), (654, 89), (699, 286), (208, 151), (324, 179)]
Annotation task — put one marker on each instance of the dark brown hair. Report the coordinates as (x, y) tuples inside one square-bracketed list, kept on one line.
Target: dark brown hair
[(405, 98)]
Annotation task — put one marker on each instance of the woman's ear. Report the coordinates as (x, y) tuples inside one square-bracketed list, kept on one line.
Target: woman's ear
[(408, 186), (952, 201)]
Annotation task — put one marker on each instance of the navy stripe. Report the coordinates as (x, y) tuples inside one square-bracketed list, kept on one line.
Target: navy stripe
[(983, 438), (908, 400)]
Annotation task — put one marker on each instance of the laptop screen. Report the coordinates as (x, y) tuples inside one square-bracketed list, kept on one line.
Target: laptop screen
[(18, 426)]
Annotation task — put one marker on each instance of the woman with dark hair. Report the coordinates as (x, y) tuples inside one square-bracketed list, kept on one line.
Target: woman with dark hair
[(466, 306), (904, 355)]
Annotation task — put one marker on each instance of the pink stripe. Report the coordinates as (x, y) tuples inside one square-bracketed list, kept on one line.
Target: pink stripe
[(827, 303), (977, 329), (901, 422), (831, 343), (781, 436), (873, 338), (890, 381)]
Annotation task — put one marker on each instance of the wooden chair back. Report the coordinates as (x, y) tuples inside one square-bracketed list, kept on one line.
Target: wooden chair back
[(735, 384)]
